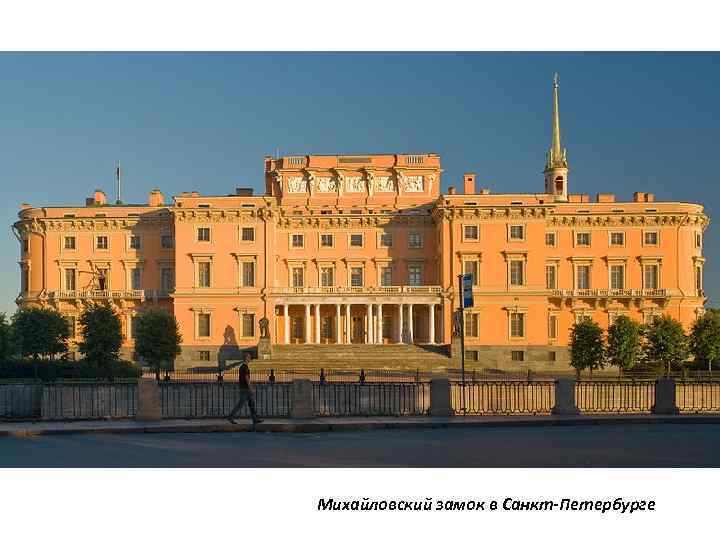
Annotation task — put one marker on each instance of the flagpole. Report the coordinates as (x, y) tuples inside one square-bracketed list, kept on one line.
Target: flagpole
[(117, 174)]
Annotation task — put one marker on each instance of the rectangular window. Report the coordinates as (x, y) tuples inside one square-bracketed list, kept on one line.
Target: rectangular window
[(247, 234), (517, 232), (517, 356), (551, 276), (25, 245), (356, 240), (326, 240), (386, 240), (582, 239), (203, 274), (415, 275), (166, 241), (471, 233), (327, 277), (698, 240), (582, 277), (651, 272), (69, 242), (204, 325), (517, 325), (70, 319), (248, 325), (134, 242), (298, 276), (101, 242), (617, 238), (69, 279), (167, 279), (136, 279), (472, 325), (698, 278), (386, 276), (517, 273), (552, 326), (356, 277), (203, 234), (134, 320), (415, 240), (248, 274), (326, 328), (550, 239), (617, 276), (651, 238), (25, 279), (552, 356), (471, 267), (204, 356), (298, 240)]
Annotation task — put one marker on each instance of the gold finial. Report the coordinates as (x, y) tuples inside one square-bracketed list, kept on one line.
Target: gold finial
[(555, 80)]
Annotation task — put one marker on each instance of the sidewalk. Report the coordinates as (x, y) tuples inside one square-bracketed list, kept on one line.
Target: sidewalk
[(317, 425)]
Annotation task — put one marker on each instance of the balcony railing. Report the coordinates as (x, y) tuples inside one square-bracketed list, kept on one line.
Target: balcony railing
[(609, 293), (402, 289), (109, 295)]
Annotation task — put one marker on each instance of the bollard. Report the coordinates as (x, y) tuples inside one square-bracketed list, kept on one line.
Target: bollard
[(301, 399), (665, 396), (148, 396), (440, 403), (565, 397)]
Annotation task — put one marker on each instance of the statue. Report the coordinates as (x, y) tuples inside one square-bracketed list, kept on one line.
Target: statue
[(264, 327), (400, 181), (340, 182), (370, 183), (278, 179), (311, 183)]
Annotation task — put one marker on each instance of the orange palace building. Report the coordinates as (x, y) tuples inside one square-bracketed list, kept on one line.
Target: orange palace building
[(366, 249)]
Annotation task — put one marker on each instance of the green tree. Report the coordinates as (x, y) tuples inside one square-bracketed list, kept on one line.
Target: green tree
[(40, 332), (587, 349), (666, 342), (101, 332), (157, 338), (624, 346), (7, 339), (705, 340)]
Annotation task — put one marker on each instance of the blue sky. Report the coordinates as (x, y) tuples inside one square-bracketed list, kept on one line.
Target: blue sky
[(178, 122)]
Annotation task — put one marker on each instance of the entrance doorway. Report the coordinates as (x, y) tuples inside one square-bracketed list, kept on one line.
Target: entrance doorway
[(297, 329), (358, 329)]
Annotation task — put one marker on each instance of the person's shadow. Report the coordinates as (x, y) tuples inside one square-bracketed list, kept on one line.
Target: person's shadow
[(229, 351)]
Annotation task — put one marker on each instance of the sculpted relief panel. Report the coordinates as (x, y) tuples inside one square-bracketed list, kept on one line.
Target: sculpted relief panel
[(326, 184), (297, 184), (414, 184), (354, 184), (384, 184)]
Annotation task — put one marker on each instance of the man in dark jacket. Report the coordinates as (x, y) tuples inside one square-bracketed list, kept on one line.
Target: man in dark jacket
[(246, 393)]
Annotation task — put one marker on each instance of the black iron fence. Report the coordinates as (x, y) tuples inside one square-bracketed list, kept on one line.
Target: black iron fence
[(698, 396), (615, 396), (76, 401), (502, 397), (372, 399), (20, 400)]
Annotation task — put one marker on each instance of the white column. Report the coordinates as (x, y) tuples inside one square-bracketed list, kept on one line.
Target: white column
[(379, 333), (286, 320), (317, 323), (400, 323), (368, 323), (338, 327), (432, 323), (307, 323), (410, 324), (348, 330)]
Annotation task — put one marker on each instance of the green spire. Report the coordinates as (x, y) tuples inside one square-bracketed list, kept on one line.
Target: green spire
[(556, 157)]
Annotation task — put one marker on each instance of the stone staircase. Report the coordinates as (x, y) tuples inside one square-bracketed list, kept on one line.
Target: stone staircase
[(356, 356)]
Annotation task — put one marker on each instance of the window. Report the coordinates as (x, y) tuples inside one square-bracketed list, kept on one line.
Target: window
[(25, 279), (326, 240), (415, 275), (415, 240), (552, 356), (167, 279), (698, 278), (517, 356), (617, 276), (617, 238), (356, 212), (582, 239), (134, 321), (25, 245), (356, 277), (550, 276), (248, 274), (582, 317), (69, 279), (298, 276), (204, 356), (582, 277), (166, 241), (552, 326), (101, 242), (134, 242), (248, 325), (472, 325), (298, 240), (471, 267), (204, 274), (326, 328), (327, 277), (517, 271), (204, 325), (386, 276), (517, 325), (517, 232), (356, 240), (651, 238), (386, 240), (203, 234), (247, 234), (650, 274), (70, 320), (698, 240), (69, 242), (550, 239), (136, 279), (471, 233)]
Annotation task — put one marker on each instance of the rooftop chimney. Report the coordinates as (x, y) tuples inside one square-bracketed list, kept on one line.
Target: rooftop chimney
[(156, 198), (99, 197), (243, 192), (639, 196), (451, 190), (194, 194), (605, 198), (469, 183)]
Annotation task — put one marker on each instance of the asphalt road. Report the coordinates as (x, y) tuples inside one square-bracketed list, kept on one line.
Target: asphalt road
[(659, 445)]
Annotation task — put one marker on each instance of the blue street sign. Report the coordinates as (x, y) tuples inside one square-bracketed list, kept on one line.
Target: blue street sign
[(467, 285)]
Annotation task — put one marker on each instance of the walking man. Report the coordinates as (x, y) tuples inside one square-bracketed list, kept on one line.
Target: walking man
[(246, 393)]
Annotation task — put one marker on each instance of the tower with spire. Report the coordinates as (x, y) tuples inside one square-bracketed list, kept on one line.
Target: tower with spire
[(556, 167)]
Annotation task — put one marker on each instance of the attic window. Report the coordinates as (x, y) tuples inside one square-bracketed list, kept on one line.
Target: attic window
[(516, 202), (583, 211), (203, 206), (248, 206), (471, 203), (618, 210), (69, 215), (651, 209), (100, 215)]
